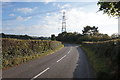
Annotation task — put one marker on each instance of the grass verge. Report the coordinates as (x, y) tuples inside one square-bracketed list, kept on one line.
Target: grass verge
[(99, 64)]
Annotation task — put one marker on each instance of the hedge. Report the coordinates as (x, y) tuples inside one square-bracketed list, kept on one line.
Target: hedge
[(17, 51), (104, 57)]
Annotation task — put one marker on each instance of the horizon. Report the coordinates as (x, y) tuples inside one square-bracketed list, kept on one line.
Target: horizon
[(44, 19)]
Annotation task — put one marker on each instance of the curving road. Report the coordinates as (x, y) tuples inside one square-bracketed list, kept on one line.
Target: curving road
[(69, 62)]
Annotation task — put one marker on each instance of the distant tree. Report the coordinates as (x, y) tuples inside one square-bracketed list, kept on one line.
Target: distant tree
[(53, 37), (114, 36), (88, 30), (68, 37), (62, 36), (104, 37), (119, 36), (111, 8), (90, 34), (2, 35)]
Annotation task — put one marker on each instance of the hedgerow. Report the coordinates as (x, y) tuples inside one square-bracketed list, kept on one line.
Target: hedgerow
[(17, 51), (104, 57)]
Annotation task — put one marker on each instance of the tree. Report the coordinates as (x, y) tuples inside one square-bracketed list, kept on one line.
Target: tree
[(68, 37), (53, 37), (114, 36), (88, 30), (111, 8)]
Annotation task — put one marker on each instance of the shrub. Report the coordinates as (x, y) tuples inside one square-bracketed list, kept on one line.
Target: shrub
[(17, 51), (104, 57)]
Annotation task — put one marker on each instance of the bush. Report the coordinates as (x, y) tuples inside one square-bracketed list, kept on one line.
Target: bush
[(17, 51), (104, 57)]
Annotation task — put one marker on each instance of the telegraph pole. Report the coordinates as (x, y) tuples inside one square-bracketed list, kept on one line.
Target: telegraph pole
[(63, 22)]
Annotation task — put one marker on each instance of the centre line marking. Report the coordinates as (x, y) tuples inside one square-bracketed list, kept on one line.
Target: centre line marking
[(40, 73), (61, 58), (69, 50)]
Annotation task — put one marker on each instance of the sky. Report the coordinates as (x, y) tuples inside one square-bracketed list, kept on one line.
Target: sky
[(45, 18)]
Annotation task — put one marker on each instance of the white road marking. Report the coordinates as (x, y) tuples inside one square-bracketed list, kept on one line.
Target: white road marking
[(48, 67), (69, 50), (61, 58), (40, 73)]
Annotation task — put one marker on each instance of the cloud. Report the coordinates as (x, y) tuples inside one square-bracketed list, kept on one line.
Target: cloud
[(47, 1), (26, 10), (61, 6), (20, 18), (58, 0), (11, 14), (65, 6), (77, 19), (53, 1), (33, 30), (50, 26), (56, 4)]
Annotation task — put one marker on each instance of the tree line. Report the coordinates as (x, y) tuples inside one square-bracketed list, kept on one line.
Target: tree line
[(89, 33), (23, 37)]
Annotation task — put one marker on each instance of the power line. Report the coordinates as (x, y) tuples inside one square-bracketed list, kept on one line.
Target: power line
[(35, 14)]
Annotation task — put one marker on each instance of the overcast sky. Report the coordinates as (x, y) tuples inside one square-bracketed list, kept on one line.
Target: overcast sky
[(44, 18)]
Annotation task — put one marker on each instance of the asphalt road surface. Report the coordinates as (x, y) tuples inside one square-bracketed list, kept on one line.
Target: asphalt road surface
[(68, 62)]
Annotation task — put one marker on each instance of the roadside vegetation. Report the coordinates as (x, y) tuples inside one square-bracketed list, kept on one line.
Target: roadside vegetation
[(103, 56), (89, 33), (23, 37), (16, 51), (101, 49)]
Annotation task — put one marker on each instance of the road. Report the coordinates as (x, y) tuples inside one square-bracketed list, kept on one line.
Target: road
[(68, 62)]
